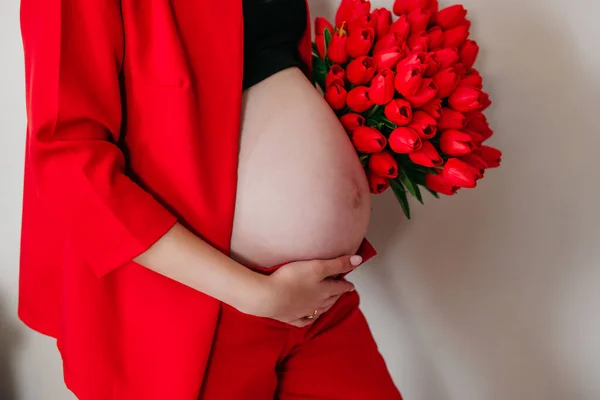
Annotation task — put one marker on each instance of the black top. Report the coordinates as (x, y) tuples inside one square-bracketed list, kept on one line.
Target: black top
[(272, 33)]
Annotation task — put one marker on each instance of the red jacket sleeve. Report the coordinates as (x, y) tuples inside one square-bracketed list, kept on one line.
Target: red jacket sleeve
[(73, 57)]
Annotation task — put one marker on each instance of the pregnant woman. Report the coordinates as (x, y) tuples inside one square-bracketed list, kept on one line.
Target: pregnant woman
[(190, 205)]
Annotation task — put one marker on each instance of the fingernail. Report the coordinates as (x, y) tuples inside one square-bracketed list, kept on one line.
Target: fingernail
[(355, 260)]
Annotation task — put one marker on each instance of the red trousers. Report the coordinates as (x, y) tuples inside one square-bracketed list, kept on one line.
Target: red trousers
[(335, 358)]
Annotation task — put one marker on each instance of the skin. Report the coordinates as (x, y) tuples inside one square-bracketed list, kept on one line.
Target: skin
[(288, 295)]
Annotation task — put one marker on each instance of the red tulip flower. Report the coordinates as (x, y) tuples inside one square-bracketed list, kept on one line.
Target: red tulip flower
[(477, 122), (320, 25), (360, 70), (447, 81), (351, 121), (475, 161), (491, 156), (446, 57), (368, 140), (335, 96), (426, 156), (473, 80), (382, 87), (377, 184), (399, 112), (404, 6), (363, 21), (320, 42), (468, 53), (350, 9), (388, 58), (433, 108), (459, 173), (424, 124), (418, 42), (401, 27), (382, 19), (383, 164), (451, 119), (466, 99), (436, 38), (360, 42), (337, 48), (404, 140), (456, 143), (358, 99), (428, 91), (439, 184), (485, 101), (390, 39), (408, 76), (451, 17), (455, 37), (335, 74), (418, 19)]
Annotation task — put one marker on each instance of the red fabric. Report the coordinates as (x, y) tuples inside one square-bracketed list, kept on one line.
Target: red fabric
[(133, 123), (336, 358)]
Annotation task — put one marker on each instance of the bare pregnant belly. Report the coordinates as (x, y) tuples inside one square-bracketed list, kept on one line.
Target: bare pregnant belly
[(302, 193)]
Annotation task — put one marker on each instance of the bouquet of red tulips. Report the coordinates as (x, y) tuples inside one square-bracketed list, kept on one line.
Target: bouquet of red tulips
[(406, 92)]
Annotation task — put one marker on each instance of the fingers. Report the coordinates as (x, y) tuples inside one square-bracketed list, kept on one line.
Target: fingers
[(340, 265), (337, 288)]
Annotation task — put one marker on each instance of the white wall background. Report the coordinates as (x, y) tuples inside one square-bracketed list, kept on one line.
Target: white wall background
[(490, 295)]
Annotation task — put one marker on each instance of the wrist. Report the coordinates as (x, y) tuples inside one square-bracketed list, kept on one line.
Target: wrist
[(255, 295)]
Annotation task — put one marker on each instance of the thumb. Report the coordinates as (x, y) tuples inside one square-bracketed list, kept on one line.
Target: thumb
[(340, 265)]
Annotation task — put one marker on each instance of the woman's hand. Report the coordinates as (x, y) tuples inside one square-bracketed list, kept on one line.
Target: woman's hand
[(296, 290)]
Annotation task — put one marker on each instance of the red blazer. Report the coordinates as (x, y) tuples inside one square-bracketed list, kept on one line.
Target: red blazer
[(133, 123)]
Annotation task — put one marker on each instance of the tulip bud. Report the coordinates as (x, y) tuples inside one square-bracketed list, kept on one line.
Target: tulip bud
[(320, 25), (475, 161), (382, 18), (438, 184), (335, 74), (401, 27), (381, 90), (418, 19), (368, 140), (455, 37), (433, 65), (451, 17), (427, 92), (335, 96), (459, 173), (362, 21), (408, 76), (473, 80), (405, 6), (433, 108), (350, 9), (426, 156), (468, 53), (466, 98), (337, 48), (436, 38), (404, 140), (388, 58), (485, 101), (447, 81), (451, 119), (491, 156), (320, 41), (418, 42), (390, 39), (360, 70), (456, 143), (360, 42), (446, 57), (460, 69), (477, 122), (383, 164), (358, 99), (377, 184), (424, 124), (399, 112), (351, 121)]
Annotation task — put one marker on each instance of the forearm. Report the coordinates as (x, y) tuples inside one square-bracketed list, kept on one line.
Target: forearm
[(184, 257)]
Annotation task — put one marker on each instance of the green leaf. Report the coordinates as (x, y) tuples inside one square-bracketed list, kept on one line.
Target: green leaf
[(315, 49), (327, 36), (319, 72), (363, 159), (401, 196), (434, 194), (412, 188), (389, 123), (373, 111)]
